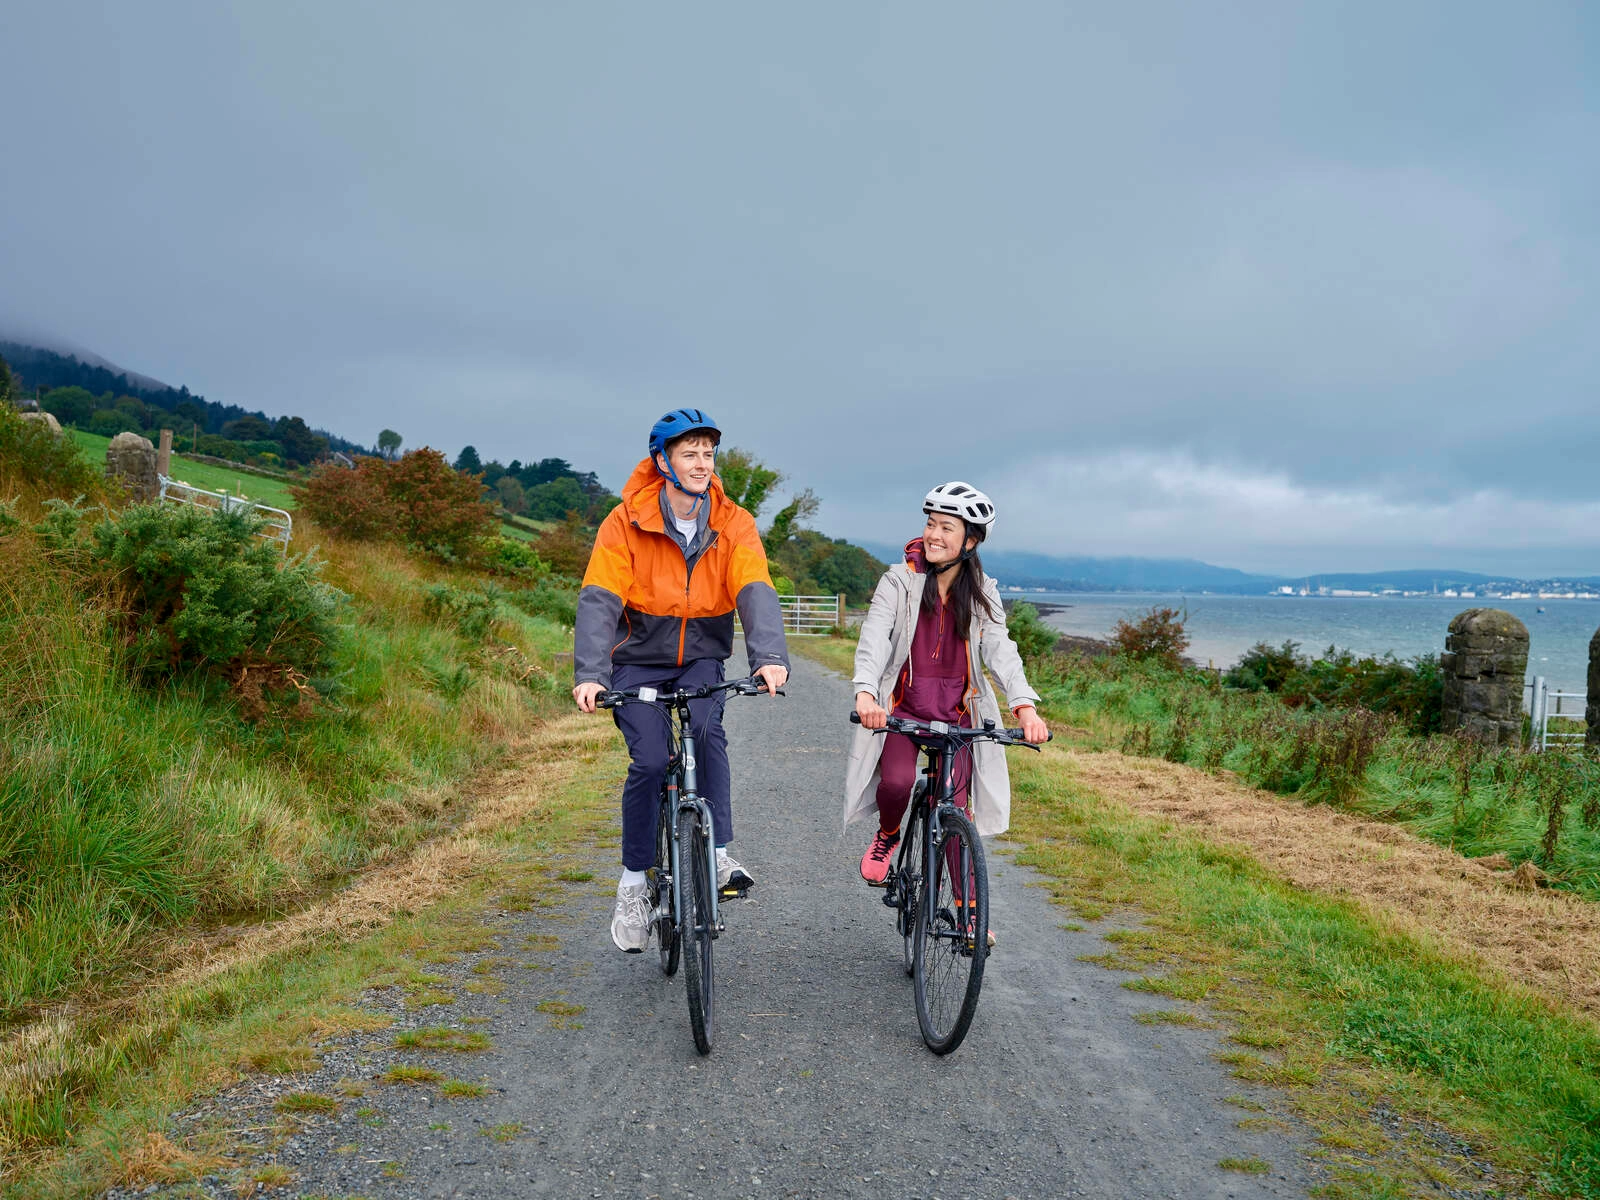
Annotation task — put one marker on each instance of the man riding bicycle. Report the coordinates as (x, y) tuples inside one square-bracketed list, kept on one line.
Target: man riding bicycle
[(671, 564)]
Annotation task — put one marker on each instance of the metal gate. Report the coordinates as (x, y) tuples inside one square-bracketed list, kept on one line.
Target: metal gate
[(276, 524), (1545, 705), (807, 616)]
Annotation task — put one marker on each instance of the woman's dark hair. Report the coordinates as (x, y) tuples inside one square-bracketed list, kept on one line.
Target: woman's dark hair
[(966, 590)]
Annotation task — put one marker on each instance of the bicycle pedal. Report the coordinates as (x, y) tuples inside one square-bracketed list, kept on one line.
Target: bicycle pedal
[(732, 893)]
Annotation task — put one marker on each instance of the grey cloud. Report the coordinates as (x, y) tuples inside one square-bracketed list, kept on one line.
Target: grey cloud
[(885, 244)]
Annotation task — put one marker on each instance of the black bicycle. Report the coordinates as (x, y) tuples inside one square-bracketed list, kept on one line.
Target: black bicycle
[(939, 887), (685, 914)]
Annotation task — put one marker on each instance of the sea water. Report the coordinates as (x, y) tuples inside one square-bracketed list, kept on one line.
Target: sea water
[(1221, 628)]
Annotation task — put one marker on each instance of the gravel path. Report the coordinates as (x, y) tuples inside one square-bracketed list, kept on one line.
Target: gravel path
[(819, 1084)]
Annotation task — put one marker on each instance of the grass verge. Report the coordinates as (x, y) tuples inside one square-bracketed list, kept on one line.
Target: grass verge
[(96, 1088), (1360, 1012)]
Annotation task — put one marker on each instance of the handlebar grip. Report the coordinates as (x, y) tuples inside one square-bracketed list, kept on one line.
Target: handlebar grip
[(855, 717)]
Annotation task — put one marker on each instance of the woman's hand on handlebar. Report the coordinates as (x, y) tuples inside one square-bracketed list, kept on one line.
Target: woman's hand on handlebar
[(586, 694), (870, 711), (1033, 729)]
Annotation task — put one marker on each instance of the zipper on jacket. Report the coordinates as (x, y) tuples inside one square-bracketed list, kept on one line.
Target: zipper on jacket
[(688, 578)]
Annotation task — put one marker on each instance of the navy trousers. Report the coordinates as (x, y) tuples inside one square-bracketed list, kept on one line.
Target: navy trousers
[(646, 732)]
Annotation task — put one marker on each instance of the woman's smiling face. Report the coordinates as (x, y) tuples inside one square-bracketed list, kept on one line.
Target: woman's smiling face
[(944, 538)]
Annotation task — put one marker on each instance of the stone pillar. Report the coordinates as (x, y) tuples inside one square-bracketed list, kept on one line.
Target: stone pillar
[(1484, 663), (164, 454), (1591, 703), (131, 460)]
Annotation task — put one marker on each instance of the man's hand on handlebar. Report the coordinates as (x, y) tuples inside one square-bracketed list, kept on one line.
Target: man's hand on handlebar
[(585, 694), (1033, 729), (870, 711), (773, 675)]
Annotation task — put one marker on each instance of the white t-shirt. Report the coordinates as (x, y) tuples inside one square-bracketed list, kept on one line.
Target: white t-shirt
[(688, 528)]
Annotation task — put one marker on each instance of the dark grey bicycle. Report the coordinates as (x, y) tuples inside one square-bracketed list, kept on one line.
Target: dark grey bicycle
[(939, 888), (685, 914)]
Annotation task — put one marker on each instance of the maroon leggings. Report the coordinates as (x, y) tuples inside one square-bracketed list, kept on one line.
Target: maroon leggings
[(897, 773)]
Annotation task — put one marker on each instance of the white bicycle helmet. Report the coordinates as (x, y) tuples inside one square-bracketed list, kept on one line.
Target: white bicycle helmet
[(960, 500)]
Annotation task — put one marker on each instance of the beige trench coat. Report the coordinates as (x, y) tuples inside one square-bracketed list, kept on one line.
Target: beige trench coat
[(883, 649)]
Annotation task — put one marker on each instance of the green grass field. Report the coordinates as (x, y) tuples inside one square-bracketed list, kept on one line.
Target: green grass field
[(260, 488)]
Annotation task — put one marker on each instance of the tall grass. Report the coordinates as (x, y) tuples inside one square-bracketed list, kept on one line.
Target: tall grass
[(1543, 809), (125, 808)]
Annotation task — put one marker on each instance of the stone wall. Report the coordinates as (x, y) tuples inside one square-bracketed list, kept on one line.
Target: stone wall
[(1485, 663), (131, 460), (1591, 705)]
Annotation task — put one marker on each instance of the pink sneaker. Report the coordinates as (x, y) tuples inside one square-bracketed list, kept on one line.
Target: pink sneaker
[(875, 862)]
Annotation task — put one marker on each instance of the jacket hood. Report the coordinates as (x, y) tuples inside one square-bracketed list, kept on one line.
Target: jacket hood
[(916, 560), (641, 495)]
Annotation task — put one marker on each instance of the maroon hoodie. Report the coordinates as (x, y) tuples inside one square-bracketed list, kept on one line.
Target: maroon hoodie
[(933, 683)]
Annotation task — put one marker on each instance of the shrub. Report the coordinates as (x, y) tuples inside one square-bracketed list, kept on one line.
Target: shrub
[(1033, 637), (508, 556), (548, 598), (471, 612), (566, 547), (418, 499), (1263, 668), (200, 590), (33, 457), (1158, 636)]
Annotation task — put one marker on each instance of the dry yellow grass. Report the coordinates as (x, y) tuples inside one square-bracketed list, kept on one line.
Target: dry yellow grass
[(1548, 941)]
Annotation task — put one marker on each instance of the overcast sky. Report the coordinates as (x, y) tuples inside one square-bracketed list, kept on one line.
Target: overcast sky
[(1288, 287)]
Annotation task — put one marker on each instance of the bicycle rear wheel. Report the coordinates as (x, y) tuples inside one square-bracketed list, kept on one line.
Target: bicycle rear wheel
[(667, 943), (951, 935), (698, 980), (909, 886)]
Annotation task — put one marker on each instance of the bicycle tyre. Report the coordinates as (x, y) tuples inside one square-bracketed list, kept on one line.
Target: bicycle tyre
[(911, 879), (951, 937), (699, 982), (667, 941)]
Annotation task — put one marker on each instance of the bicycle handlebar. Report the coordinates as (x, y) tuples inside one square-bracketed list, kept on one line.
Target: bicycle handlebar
[(743, 687), (955, 733)]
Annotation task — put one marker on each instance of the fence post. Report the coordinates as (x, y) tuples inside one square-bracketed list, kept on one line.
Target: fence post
[(1541, 702), (164, 455), (839, 624)]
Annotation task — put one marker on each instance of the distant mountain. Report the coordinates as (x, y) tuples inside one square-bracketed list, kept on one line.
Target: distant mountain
[(32, 347), (1126, 574), (1015, 568)]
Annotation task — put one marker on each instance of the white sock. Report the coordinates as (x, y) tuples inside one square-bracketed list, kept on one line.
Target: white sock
[(632, 878), (722, 853)]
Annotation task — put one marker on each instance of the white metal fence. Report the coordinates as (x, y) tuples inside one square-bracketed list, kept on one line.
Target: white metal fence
[(807, 616), (1545, 705), (276, 525)]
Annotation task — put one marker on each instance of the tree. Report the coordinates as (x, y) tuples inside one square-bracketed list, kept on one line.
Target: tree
[(71, 405), (787, 522), (1158, 636), (299, 444), (389, 443), (245, 429), (747, 482), (5, 382), (512, 498), (554, 500), (467, 462)]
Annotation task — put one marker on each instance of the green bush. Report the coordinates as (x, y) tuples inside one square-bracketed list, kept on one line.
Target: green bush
[(32, 456), (1033, 637), (200, 591), (471, 611), (508, 556), (551, 598), (1412, 692)]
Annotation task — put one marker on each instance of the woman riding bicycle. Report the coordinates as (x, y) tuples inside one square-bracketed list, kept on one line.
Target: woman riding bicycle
[(922, 654)]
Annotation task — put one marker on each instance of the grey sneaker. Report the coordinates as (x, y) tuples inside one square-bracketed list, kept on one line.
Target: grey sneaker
[(731, 876), (630, 920)]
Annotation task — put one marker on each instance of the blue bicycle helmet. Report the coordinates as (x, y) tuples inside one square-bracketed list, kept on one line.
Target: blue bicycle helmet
[(677, 423)]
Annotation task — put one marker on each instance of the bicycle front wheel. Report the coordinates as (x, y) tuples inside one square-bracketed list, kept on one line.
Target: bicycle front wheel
[(667, 943), (951, 934), (694, 861)]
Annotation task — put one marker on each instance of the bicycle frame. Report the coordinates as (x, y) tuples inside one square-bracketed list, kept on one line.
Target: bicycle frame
[(683, 793)]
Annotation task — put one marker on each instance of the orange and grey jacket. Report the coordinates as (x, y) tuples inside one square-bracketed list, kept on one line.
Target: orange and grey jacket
[(649, 598)]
